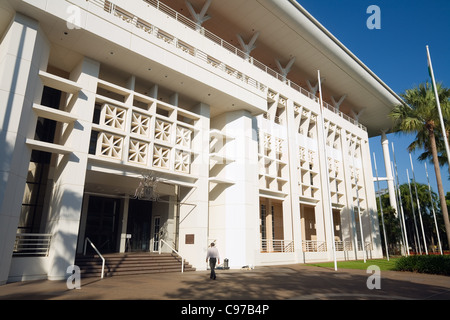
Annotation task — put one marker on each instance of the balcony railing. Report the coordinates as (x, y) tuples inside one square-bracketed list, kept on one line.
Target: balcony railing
[(321, 246), (270, 246), (314, 246), (343, 245), (109, 7), (32, 244)]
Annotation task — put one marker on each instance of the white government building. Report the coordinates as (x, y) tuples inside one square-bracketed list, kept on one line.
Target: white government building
[(216, 103)]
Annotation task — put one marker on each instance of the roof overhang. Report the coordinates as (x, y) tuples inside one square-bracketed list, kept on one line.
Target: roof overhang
[(287, 30)]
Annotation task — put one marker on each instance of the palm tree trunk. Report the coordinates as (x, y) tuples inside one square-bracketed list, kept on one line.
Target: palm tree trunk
[(439, 184)]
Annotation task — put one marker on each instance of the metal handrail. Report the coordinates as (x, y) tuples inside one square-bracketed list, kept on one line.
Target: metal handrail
[(32, 244), (275, 245), (182, 259), (100, 255)]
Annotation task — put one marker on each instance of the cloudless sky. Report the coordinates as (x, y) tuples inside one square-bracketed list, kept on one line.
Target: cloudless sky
[(397, 54)]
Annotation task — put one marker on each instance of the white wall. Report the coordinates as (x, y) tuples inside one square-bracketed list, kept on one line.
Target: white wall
[(24, 51)]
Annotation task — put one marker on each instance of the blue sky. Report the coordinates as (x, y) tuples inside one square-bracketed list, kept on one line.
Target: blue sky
[(397, 54)]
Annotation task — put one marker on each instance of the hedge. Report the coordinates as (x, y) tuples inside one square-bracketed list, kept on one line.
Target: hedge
[(432, 264)]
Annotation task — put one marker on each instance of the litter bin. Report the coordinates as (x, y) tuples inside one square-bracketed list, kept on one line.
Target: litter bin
[(225, 264)]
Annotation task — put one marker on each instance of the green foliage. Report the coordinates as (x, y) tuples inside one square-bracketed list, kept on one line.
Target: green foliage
[(424, 264)]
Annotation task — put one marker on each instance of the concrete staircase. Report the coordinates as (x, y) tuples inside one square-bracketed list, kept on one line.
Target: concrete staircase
[(117, 264)]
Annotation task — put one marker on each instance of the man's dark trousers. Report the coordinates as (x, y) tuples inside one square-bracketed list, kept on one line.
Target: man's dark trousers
[(212, 265)]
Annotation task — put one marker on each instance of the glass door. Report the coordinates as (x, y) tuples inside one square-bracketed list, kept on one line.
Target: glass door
[(138, 226), (156, 229), (102, 223)]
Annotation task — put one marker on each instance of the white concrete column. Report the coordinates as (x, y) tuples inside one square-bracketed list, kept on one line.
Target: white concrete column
[(371, 223), (235, 222), (24, 50), (350, 209), (387, 165), (293, 164), (66, 202), (193, 209)]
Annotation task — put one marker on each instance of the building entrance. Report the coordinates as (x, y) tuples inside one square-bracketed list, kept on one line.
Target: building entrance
[(139, 225), (102, 223)]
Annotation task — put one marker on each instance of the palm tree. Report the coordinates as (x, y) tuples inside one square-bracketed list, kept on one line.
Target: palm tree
[(420, 116)]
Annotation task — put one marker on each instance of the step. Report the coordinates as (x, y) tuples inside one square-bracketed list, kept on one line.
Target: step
[(131, 263)]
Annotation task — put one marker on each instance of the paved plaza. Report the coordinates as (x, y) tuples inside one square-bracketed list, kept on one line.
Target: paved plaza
[(292, 282)]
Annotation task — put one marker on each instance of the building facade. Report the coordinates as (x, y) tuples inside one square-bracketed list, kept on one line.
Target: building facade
[(191, 122)]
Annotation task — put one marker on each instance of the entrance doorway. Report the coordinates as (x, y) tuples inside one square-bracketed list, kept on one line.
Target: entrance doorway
[(156, 228), (102, 223), (139, 225)]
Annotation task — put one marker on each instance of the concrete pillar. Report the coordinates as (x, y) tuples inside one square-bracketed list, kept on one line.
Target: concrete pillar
[(387, 165), (66, 202), (293, 163), (236, 220), (193, 209), (24, 50)]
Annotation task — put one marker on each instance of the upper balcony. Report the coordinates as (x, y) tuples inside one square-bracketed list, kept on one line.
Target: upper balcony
[(191, 46)]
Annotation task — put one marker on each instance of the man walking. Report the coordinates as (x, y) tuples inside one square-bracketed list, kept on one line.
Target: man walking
[(213, 256)]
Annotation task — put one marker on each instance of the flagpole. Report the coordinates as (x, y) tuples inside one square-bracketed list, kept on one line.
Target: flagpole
[(333, 245), (441, 120), (432, 207), (414, 214), (381, 207), (418, 206), (405, 231)]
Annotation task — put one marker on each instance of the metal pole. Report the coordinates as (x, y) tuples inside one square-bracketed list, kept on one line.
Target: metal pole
[(414, 215), (399, 216), (438, 103), (326, 172), (418, 206), (432, 207), (381, 207), (405, 232)]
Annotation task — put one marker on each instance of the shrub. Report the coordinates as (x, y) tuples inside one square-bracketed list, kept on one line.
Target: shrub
[(424, 264)]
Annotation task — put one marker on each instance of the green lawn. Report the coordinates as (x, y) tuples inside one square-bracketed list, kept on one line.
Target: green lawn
[(383, 264)]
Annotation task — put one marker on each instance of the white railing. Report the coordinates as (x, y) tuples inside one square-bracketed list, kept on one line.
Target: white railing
[(99, 254), (270, 246), (32, 244), (321, 246), (343, 245), (367, 246), (159, 251), (142, 24), (314, 246)]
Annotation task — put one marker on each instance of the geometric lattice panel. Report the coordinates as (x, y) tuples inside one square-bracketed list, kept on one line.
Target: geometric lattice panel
[(110, 145), (279, 145), (184, 137), (138, 152), (267, 142), (114, 117), (182, 161), (140, 124), (162, 130), (161, 157), (302, 153)]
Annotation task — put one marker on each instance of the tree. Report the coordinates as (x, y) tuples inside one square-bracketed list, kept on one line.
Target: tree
[(420, 116), (393, 222)]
